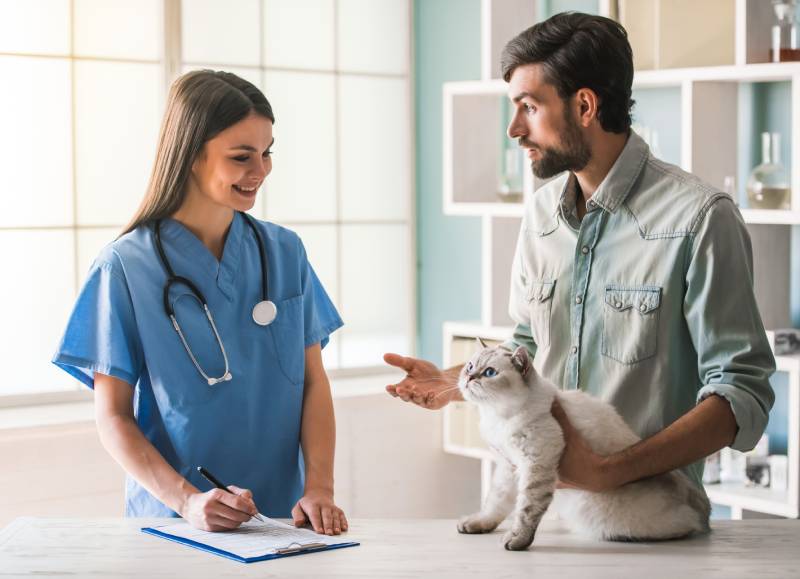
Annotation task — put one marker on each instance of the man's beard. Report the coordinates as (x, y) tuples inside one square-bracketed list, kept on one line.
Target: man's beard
[(573, 155)]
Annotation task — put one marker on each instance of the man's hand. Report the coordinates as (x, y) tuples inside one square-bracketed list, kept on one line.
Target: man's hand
[(580, 466), (424, 385)]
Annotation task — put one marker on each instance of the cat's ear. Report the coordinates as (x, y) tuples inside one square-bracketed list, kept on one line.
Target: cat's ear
[(481, 343), (521, 360)]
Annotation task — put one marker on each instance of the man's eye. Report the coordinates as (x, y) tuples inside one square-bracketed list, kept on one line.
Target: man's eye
[(490, 372), (530, 108)]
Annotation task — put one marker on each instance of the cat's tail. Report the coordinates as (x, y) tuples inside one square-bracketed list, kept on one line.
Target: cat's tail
[(698, 501)]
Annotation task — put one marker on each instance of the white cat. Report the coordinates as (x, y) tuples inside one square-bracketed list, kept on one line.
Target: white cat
[(516, 421)]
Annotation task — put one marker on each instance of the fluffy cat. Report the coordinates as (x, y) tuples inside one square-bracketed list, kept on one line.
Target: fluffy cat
[(516, 421)]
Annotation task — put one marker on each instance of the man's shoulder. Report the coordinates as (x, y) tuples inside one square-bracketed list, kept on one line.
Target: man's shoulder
[(670, 202)]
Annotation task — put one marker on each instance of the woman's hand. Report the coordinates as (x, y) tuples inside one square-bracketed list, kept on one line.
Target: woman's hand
[(318, 508), (217, 510), (424, 385)]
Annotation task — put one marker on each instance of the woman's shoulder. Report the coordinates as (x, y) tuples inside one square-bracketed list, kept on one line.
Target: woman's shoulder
[(121, 250), (286, 238)]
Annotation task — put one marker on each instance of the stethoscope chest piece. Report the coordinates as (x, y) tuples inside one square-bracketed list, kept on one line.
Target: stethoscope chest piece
[(264, 312)]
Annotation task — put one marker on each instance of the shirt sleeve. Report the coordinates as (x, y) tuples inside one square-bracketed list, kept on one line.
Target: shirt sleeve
[(320, 317), (733, 355), (101, 335), (518, 301)]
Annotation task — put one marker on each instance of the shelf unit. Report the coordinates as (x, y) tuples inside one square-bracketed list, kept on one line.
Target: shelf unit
[(708, 121)]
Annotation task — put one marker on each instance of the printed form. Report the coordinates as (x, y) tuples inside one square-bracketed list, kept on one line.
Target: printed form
[(253, 538)]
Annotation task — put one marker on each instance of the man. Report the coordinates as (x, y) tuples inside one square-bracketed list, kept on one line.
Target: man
[(632, 280)]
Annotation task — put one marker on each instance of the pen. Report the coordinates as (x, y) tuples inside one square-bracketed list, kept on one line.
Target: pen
[(216, 482)]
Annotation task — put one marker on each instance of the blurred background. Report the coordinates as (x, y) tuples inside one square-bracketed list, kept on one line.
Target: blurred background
[(392, 164)]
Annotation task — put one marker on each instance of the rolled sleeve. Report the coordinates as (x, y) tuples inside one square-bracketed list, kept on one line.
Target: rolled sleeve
[(733, 356)]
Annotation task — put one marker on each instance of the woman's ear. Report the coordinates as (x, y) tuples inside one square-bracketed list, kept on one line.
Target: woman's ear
[(521, 360)]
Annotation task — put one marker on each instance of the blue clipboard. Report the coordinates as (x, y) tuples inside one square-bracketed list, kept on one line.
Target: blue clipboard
[(289, 551)]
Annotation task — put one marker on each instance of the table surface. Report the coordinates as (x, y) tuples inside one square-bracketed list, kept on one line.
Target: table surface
[(402, 548)]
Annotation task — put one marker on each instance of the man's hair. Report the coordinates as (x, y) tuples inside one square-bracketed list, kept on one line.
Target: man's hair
[(580, 51)]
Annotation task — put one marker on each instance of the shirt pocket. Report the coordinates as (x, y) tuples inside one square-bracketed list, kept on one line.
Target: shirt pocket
[(630, 322), (540, 300), (287, 336)]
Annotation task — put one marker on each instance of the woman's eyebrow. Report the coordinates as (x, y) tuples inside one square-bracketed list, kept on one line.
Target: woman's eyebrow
[(249, 148)]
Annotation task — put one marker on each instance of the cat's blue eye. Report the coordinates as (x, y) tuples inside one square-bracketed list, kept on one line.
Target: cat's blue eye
[(490, 372)]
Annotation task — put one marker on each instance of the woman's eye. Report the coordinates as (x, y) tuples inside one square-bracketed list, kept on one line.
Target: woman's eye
[(241, 158), (490, 372), (267, 154)]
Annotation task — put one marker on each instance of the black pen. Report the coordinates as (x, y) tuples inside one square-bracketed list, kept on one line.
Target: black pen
[(216, 482)]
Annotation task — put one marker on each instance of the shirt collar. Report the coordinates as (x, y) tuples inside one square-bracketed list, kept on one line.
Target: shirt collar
[(223, 271), (617, 185)]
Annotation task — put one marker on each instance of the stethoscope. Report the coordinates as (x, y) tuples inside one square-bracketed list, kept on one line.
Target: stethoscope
[(264, 312)]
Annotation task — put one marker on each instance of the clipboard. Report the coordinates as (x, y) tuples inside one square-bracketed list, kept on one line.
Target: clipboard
[(182, 533)]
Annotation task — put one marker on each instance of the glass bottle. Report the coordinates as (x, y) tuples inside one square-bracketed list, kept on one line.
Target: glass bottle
[(768, 184), (510, 187), (784, 32)]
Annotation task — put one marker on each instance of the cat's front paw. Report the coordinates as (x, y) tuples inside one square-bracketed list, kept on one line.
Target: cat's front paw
[(473, 524), (518, 539)]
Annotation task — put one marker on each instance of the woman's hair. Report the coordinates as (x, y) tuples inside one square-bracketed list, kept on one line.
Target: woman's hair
[(201, 104), (580, 51)]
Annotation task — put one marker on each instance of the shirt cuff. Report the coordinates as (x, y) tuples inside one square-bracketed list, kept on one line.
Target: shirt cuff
[(751, 420)]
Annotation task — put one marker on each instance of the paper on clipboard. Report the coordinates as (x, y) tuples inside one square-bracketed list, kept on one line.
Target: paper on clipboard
[(253, 538)]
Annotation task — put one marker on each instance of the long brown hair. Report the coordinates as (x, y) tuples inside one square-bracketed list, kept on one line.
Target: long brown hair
[(201, 104)]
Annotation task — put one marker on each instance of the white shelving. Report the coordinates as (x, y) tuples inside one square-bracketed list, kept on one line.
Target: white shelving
[(473, 144)]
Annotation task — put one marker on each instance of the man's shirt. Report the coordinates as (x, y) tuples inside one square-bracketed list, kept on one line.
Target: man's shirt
[(646, 303)]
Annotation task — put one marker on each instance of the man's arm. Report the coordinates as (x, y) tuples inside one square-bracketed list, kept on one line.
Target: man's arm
[(703, 430)]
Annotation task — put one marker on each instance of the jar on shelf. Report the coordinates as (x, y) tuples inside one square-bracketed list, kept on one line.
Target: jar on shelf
[(785, 32), (768, 184)]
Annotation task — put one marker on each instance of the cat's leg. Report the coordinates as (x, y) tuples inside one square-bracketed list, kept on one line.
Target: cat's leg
[(498, 504), (536, 484)]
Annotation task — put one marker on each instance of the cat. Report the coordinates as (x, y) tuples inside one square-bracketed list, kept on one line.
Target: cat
[(515, 403)]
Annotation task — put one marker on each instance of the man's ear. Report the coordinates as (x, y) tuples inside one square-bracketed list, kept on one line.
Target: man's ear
[(521, 360), (481, 343)]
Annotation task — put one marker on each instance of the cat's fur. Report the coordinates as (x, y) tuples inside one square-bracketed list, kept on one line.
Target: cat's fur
[(516, 422)]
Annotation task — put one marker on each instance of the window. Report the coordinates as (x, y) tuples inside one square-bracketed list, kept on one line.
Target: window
[(86, 82)]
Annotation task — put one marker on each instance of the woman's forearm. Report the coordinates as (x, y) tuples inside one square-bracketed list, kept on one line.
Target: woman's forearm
[(318, 435), (125, 442)]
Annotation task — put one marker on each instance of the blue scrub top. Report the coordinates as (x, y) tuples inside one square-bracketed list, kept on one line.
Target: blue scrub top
[(247, 430)]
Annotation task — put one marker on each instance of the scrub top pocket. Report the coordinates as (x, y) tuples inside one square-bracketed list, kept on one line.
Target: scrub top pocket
[(540, 300), (630, 322), (287, 334)]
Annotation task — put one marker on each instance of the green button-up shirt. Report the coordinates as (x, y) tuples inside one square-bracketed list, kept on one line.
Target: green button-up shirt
[(646, 303)]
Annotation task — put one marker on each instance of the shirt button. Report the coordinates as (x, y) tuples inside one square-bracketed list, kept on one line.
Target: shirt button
[(590, 204), (578, 300), (643, 307), (584, 250), (618, 305), (574, 349)]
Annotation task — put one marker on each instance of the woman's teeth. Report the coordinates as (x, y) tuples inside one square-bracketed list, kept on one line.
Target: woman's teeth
[(245, 189)]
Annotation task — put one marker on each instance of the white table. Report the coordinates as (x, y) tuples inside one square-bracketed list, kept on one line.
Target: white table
[(402, 548)]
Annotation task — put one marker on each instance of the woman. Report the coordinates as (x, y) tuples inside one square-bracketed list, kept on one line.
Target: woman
[(237, 389)]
